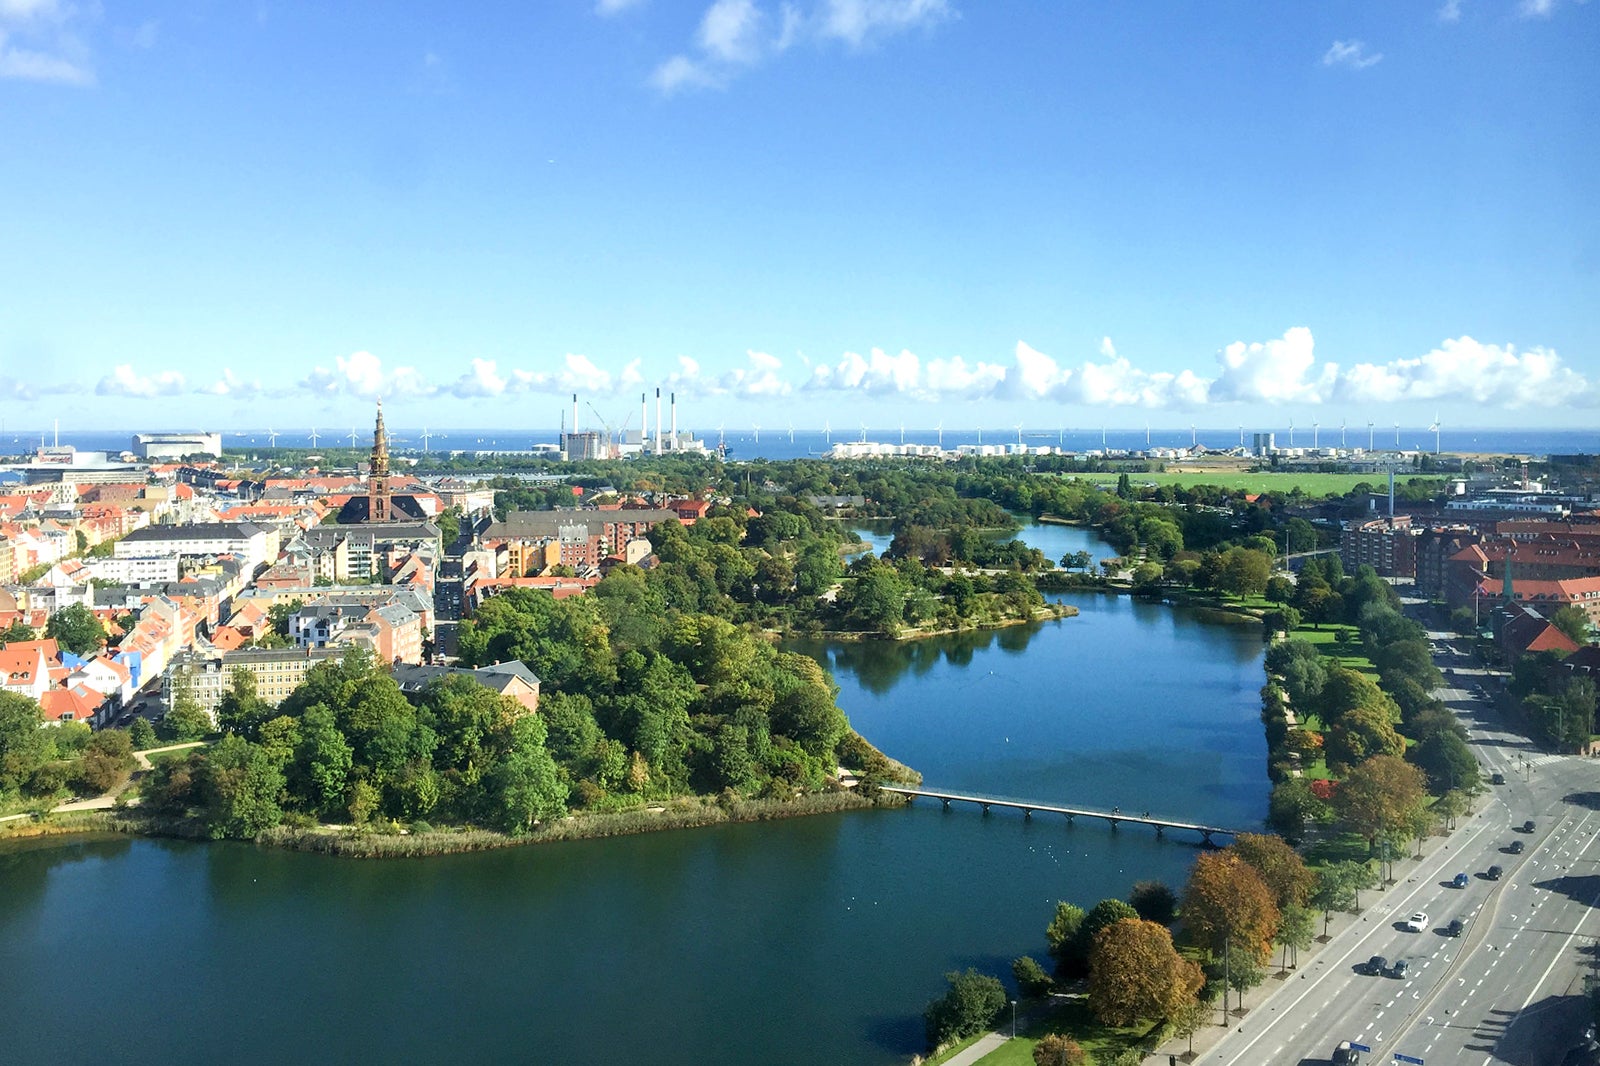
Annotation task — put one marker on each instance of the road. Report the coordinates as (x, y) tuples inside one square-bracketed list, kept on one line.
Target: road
[(1509, 990)]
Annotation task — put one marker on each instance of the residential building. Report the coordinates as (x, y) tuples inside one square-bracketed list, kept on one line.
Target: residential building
[(255, 545), (512, 679), (277, 672), (1388, 545)]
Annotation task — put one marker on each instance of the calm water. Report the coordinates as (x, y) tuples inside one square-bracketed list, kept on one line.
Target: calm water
[(809, 941)]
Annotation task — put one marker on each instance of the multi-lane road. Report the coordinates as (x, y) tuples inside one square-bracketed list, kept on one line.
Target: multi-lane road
[(1509, 989)]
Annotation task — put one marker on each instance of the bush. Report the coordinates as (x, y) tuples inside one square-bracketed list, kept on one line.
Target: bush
[(1154, 902), (1032, 980), (1058, 1050)]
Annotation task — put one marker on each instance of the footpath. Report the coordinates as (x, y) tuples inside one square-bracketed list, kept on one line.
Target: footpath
[(142, 764)]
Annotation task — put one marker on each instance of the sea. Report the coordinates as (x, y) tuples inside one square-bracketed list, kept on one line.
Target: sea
[(801, 443)]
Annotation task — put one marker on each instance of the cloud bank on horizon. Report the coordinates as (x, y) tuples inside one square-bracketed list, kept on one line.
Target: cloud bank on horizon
[(1274, 373)]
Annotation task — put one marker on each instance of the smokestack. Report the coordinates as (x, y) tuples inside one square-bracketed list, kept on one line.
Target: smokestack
[(1391, 496), (574, 412), (674, 437), (644, 423), (658, 420)]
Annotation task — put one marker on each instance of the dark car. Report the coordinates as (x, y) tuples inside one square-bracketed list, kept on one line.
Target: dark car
[(1399, 968), (1515, 847), (1377, 964), (1497, 779), (1527, 827), (1345, 1055), (1493, 873), (1454, 928), (1460, 881)]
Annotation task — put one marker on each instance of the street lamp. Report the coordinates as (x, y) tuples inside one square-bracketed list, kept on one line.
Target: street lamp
[(1013, 1019)]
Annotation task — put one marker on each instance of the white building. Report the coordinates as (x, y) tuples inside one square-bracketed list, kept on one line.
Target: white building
[(176, 445), (256, 545)]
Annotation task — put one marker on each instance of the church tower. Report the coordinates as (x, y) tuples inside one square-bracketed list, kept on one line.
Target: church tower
[(378, 478)]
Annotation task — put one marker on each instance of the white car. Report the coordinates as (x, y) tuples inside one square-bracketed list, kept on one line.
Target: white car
[(1417, 922)]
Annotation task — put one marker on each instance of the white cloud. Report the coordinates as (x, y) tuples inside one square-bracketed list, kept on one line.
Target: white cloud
[(231, 385), (1536, 9), (37, 44), (125, 381), (1352, 54), (1466, 370), (362, 374), (482, 380), (607, 8), (1450, 11), (1275, 371), (681, 72), (857, 21), (730, 31), (881, 374)]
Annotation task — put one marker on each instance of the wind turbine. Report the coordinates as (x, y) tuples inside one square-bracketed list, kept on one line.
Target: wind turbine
[(352, 437), (1019, 434), (1102, 437), (272, 438), (426, 436), (1397, 434), (1341, 434), (941, 434), (758, 433), (902, 434), (313, 436), (719, 434), (1291, 433), (1369, 434), (791, 432), (1316, 430), (1241, 436), (1146, 433), (1435, 428), (827, 431), (863, 433), (1194, 438)]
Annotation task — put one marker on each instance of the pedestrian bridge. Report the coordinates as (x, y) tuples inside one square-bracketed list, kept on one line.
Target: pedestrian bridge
[(1114, 816)]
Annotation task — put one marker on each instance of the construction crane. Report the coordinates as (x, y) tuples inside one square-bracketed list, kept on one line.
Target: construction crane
[(612, 439)]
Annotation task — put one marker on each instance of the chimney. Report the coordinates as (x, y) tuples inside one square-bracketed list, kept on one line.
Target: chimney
[(1391, 497), (673, 440), (658, 420), (574, 412), (644, 423)]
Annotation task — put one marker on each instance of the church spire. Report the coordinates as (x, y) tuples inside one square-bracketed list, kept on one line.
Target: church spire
[(378, 503)]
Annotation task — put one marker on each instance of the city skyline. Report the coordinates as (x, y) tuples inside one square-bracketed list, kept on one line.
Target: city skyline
[(887, 211)]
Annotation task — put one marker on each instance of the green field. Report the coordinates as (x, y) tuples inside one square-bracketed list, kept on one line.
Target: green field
[(1312, 484)]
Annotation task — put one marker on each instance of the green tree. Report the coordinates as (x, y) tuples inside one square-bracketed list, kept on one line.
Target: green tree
[(24, 747), (1244, 572), (241, 788), (1280, 867), (1062, 933), (241, 710), (972, 1004), (76, 629), (525, 787), (1379, 795), (1446, 759), (1102, 914), (878, 600), (1296, 926), (185, 720), (1136, 973), (1154, 902), (107, 761), (320, 772), (142, 734), (1339, 888), (1032, 980), (1571, 620), (17, 630), (1190, 1019), (1243, 970)]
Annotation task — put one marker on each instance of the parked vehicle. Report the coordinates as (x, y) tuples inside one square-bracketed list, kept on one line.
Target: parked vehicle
[(1493, 873), (1454, 928), (1527, 827)]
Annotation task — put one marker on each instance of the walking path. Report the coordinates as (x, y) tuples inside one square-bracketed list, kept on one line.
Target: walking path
[(142, 764)]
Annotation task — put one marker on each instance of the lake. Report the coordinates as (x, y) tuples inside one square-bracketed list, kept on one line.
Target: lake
[(815, 940)]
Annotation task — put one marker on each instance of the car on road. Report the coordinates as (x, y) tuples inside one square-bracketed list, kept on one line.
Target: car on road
[(1515, 847), (1377, 965), (1527, 827), (1399, 969), (1497, 779), (1454, 928), (1345, 1055), (1417, 922), (1493, 873), (1460, 881)]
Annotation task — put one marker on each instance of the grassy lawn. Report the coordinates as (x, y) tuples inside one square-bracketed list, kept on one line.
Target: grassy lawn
[(1348, 655), (1312, 484), (1338, 848), (1074, 1019)]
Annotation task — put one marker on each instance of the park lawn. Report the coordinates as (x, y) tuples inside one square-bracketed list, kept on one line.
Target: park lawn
[(1317, 771), (1347, 655), (1075, 1020), (1338, 848), (1311, 484)]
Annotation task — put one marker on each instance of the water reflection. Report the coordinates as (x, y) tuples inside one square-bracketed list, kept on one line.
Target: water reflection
[(879, 665)]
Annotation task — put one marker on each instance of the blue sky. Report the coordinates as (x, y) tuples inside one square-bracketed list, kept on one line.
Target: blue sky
[(221, 214)]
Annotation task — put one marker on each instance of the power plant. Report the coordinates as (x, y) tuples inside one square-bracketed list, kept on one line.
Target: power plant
[(620, 442)]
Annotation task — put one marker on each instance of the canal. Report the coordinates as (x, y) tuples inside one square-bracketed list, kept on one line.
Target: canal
[(805, 941)]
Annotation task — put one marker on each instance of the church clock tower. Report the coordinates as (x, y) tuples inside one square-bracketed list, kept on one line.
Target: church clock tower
[(378, 478)]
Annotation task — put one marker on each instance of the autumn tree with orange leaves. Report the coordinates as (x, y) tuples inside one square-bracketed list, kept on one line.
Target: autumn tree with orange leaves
[(1280, 866), (1135, 973), (1226, 901)]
